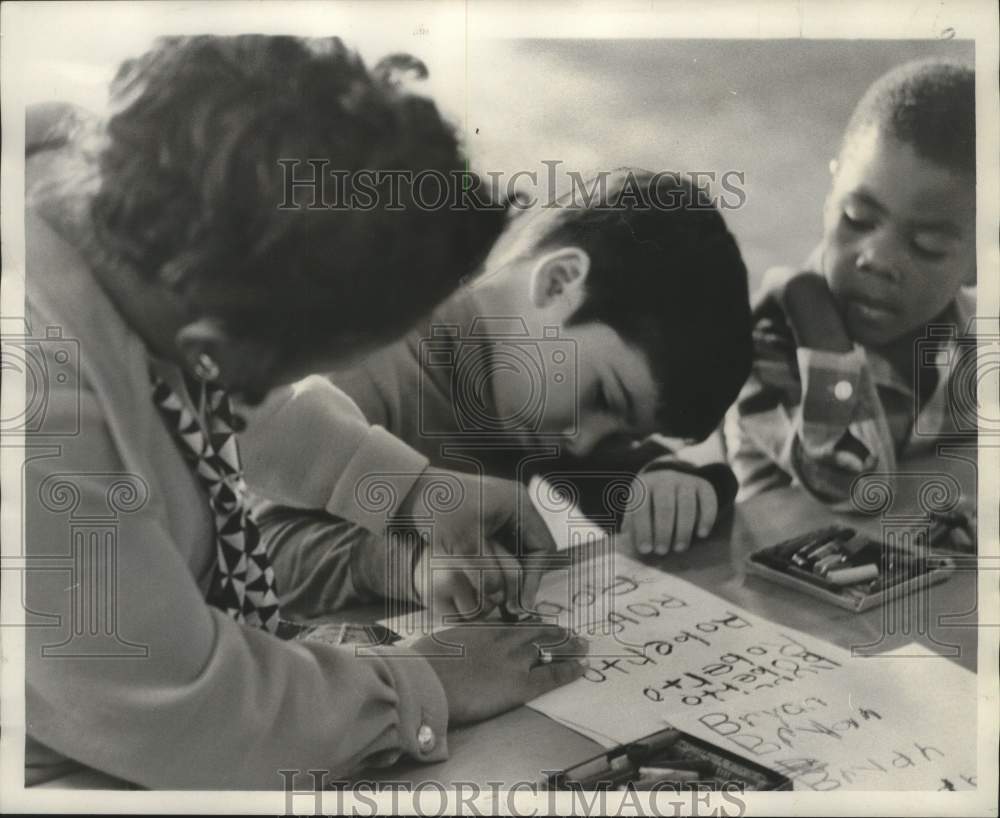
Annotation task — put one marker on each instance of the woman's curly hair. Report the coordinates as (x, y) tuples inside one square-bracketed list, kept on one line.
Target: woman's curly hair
[(191, 187)]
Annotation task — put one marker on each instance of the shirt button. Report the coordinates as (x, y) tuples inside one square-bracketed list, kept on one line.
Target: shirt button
[(843, 390), (426, 738)]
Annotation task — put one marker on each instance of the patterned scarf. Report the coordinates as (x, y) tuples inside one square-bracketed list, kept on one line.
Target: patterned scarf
[(243, 584)]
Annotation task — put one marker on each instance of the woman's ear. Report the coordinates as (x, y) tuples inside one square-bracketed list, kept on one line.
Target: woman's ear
[(558, 277), (208, 347), (204, 338)]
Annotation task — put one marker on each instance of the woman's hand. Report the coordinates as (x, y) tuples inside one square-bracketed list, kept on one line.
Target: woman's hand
[(499, 667)]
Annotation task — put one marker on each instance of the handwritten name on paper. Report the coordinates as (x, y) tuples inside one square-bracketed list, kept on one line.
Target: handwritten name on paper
[(666, 652)]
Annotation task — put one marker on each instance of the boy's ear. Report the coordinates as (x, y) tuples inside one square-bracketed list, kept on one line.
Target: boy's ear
[(559, 275), (834, 166)]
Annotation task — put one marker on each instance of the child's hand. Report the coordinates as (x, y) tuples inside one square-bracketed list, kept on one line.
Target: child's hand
[(677, 506), (813, 315), (490, 518), (501, 667)]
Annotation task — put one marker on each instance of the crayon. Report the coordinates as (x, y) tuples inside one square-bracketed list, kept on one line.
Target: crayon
[(823, 551), (706, 769), (800, 560), (804, 556), (651, 776), (815, 579), (828, 563), (850, 576)]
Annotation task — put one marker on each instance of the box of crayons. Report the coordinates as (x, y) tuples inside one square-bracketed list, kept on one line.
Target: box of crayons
[(848, 568), (668, 760)]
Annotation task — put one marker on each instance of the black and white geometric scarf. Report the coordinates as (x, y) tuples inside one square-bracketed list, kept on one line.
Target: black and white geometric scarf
[(243, 583)]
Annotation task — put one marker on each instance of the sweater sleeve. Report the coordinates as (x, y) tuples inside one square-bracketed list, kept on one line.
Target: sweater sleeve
[(323, 564), (176, 694), (310, 446)]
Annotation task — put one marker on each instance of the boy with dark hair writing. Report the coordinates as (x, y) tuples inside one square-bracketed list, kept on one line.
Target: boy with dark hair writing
[(601, 336)]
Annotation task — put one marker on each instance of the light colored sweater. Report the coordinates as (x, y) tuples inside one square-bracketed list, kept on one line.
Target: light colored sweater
[(179, 695)]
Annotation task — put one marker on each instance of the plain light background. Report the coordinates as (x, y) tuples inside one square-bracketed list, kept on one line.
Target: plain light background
[(57, 50), (771, 109)]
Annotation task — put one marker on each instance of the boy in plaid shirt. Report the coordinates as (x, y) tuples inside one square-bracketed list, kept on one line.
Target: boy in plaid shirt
[(836, 388)]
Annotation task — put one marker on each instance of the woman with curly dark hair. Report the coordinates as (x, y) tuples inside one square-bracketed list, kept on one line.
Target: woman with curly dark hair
[(162, 264)]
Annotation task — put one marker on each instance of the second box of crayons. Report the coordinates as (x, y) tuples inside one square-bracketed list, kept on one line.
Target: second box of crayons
[(849, 569)]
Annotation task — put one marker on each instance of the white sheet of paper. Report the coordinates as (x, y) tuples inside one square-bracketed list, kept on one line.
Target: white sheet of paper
[(666, 652)]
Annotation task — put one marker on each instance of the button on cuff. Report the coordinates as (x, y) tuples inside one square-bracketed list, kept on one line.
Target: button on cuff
[(426, 740)]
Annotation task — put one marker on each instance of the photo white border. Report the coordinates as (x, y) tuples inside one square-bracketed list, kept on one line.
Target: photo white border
[(448, 19)]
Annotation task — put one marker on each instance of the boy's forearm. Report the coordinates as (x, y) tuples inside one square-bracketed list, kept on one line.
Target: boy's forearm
[(323, 564), (809, 406)]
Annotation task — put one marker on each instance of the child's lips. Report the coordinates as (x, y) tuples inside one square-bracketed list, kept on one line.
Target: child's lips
[(872, 310), (873, 314)]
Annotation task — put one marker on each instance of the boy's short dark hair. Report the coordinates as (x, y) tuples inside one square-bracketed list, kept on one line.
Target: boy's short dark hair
[(928, 104), (667, 275), (191, 188)]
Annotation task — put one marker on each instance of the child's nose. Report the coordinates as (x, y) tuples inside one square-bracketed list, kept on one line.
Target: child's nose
[(881, 255)]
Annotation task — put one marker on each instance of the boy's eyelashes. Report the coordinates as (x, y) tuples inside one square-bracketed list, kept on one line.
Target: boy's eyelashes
[(927, 247), (930, 246), (927, 253), (856, 221)]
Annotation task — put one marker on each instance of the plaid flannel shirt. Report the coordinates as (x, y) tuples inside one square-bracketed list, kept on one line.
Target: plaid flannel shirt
[(819, 419)]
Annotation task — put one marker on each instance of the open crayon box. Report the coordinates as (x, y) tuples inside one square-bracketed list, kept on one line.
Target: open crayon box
[(850, 569), (670, 760)]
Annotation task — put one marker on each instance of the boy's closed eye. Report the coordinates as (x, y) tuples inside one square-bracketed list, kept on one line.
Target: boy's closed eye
[(858, 217), (932, 245)]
